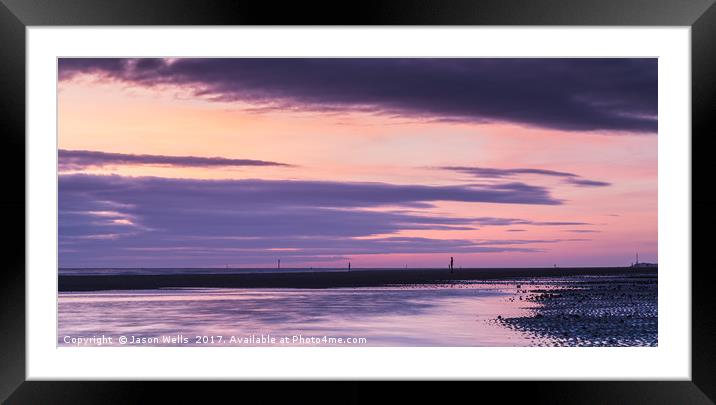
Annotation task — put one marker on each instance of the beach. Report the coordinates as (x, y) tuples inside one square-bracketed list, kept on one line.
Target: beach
[(412, 201), (414, 307)]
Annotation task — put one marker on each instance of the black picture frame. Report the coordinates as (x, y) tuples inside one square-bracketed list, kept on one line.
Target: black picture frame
[(16, 15)]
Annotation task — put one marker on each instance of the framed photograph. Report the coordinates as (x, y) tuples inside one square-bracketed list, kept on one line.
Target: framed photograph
[(409, 193)]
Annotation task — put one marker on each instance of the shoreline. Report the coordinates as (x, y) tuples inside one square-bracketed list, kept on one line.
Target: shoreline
[(328, 279), (620, 311)]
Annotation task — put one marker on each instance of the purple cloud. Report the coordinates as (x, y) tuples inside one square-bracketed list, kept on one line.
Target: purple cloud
[(117, 221), (580, 94), (587, 183), (81, 159), (494, 173), (260, 193)]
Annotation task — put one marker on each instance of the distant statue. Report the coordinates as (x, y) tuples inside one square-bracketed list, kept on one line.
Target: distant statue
[(451, 264)]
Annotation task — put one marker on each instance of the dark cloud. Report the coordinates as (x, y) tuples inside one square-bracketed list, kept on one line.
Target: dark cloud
[(493, 173), (490, 172), (587, 183), (81, 159), (125, 220), (566, 94)]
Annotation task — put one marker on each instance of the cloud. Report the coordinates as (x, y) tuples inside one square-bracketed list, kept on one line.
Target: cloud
[(581, 94), (587, 183), (116, 220), (494, 173), (82, 159), (495, 221), (490, 172), (229, 194)]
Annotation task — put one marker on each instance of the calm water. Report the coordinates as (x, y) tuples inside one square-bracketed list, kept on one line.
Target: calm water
[(435, 315)]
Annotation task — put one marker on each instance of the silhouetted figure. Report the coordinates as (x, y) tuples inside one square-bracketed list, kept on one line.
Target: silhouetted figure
[(349, 266), (279, 264), (451, 264)]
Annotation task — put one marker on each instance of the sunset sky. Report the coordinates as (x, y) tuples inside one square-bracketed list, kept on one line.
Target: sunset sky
[(380, 162)]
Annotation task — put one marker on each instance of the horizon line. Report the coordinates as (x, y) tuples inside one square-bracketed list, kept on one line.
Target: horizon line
[(343, 268)]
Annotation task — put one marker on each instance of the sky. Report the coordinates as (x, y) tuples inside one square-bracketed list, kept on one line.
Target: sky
[(377, 162)]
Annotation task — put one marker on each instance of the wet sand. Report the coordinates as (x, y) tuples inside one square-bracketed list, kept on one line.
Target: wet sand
[(618, 310), (327, 279)]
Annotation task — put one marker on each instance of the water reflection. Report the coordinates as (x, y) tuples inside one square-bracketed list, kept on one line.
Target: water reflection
[(447, 315)]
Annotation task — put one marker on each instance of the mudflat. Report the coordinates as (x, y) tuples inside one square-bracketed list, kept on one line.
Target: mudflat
[(323, 279)]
